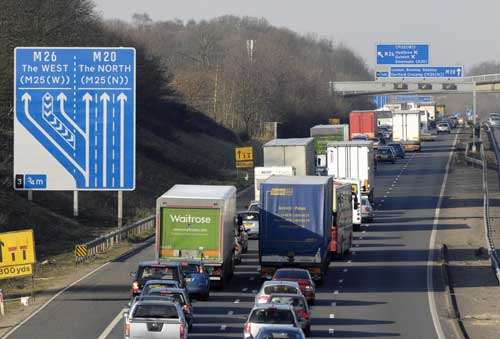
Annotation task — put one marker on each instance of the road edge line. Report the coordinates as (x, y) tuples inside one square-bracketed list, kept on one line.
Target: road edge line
[(432, 245), (111, 326), (38, 310)]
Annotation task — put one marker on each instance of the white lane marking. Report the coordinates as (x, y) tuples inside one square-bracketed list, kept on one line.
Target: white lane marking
[(432, 245), (357, 245), (364, 230), (336, 292), (237, 301), (332, 316), (331, 331), (244, 290), (383, 199), (341, 281), (252, 278), (54, 297), (112, 325), (349, 261), (334, 304), (230, 313), (385, 196), (360, 238), (222, 327), (345, 270)]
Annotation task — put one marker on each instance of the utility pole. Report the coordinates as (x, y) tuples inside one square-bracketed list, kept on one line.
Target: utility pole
[(474, 116)]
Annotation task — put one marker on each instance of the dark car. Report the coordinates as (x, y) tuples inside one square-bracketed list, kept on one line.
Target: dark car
[(400, 151), (302, 277), (386, 153), (197, 279), (155, 270)]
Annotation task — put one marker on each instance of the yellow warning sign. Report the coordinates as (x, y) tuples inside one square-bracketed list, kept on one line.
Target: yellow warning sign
[(243, 153), (244, 164), (17, 248), (334, 121), (80, 250), (15, 271)]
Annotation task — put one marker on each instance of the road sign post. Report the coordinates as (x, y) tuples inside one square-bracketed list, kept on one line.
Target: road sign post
[(120, 209), (74, 124), (474, 117), (75, 203)]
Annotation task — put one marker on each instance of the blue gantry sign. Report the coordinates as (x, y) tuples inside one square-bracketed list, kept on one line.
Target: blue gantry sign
[(427, 72), (408, 54), (74, 125)]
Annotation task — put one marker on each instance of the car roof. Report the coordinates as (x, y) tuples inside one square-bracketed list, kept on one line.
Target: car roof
[(160, 281), (272, 305), (291, 269), (153, 263), (280, 282)]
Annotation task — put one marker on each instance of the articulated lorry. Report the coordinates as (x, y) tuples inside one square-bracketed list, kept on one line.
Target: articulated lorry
[(295, 224), (406, 129), (353, 160), (197, 222), (322, 135)]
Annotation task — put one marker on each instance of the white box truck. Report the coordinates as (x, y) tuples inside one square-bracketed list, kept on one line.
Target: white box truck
[(406, 129), (263, 173), (353, 160), (295, 152), (197, 222)]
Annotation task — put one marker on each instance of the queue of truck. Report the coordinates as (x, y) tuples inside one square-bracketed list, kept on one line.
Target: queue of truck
[(311, 194)]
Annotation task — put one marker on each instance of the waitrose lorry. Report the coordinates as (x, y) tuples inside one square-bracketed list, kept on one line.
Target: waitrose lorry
[(197, 222), (295, 224)]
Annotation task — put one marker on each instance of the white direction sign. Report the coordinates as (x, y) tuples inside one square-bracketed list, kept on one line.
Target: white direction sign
[(74, 125)]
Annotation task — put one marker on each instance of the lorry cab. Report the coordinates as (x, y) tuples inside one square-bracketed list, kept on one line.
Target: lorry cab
[(355, 201)]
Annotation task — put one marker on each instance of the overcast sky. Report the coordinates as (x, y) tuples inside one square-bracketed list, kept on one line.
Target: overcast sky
[(459, 31)]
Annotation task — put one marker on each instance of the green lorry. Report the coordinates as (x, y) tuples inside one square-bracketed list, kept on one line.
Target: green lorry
[(197, 222)]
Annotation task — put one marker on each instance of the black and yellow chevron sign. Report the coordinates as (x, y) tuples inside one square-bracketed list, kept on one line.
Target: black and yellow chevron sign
[(80, 250)]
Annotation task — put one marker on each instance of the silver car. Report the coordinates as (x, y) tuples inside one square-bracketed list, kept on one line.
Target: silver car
[(264, 315), (300, 307), (269, 332), (155, 319), (443, 127), (250, 222), (276, 286)]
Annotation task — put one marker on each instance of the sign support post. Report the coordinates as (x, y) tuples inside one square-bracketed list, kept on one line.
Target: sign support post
[(120, 209), (30, 195), (474, 117), (75, 203)]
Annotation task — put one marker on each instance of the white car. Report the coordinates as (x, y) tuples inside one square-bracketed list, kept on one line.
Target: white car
[(443, 127), (250, 221), (265, 315), (276, 286), (494, 120)]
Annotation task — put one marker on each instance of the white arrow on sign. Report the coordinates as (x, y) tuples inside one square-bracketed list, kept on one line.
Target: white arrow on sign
[(122, 98), (62, 98), (26, 98), (104, 99), (87, 98), (380, 54)]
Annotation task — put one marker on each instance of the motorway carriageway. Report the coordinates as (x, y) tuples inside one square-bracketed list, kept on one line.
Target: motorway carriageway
[(380, 290)]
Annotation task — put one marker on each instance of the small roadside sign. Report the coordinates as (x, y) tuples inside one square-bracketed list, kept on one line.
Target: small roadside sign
[(334, 121), (15, 271), (244, 164), (243, 153), (17, 248)]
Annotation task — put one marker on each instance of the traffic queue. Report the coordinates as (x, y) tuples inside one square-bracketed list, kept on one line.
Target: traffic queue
[(310, 196)]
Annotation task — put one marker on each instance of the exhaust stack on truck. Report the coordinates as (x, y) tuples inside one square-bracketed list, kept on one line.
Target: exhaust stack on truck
[(197, 222), (295, 224)]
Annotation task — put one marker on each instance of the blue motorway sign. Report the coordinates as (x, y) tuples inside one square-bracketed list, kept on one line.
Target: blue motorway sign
[(422, 72), (408, 54), (74, 126), (380, 100), (419, 99)]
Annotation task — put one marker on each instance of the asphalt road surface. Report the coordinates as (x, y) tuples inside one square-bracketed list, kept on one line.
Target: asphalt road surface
[(380, 290)]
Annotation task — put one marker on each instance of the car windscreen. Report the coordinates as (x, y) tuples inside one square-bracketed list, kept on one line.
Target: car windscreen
[(249, 216), (155, 311), (280, 289), (272, 316), (156, 272), (291, 275), (296, 302)]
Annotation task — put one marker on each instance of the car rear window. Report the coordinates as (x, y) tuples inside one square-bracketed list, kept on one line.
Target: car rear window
[(178, 297), (272, 316), (291, 275), (156, 272), (296, 302), (156, 311), (384, 151), (279, 334), (162, 285), (280, 289)]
